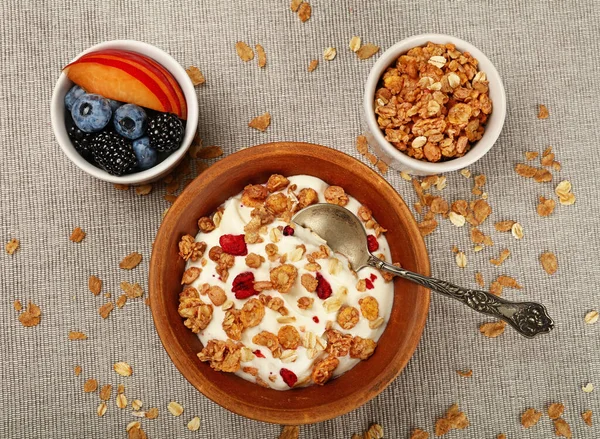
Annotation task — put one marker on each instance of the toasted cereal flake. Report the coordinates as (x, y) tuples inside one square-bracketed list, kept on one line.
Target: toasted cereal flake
[(295, 4), (132, 291), (531, 155), (244, 51), (417, 433), (556, 410), (105, 310), (479, 279), (542, 176), (77, 235), (492, 329), (457, 219), (121, 187), (210, 152), (381, 166), (130, 261), (591, 317), (172, 187), (121, 401), (465, 373), (372, 158), (453, 419), (133, 425), (361, 144), (517, 231), (290, 432), (587, 417), (504, 226), (94, 285), (568, 200), (367, 51), (304, 12), (121, 301), (262, 56), (12, 246), (329, 53), (31, 316), (194, 424), (549, 262), (375, 431), (465, 173), (152, 413), (313, 65), (427, 226), (73, 335), (496, 288), (77, 370), (588, 388), (562, 428), (122, 368), (195, 75), (461, 260), (530, 417), (101, 409), (405, 176), (545, 206), (136, 404), (543, 112), (525, 170), (90, 385), (175, 408), (17, 305), (143, 189), (501, 258), (563, 188), (261, 122), (120, 389), (509, 282), (355, 43)]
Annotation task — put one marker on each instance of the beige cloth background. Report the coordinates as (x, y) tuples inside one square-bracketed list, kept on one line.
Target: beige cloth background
[(545, 51)]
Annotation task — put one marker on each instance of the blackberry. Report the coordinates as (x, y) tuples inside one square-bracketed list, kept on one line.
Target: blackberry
[(80, 140), (165, 131), (113, 153)]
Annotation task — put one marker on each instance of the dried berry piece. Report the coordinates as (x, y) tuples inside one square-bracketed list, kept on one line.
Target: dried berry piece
[(243, 285), (234, 245), (372, 243), (323, 287), (288, 231), (288, 376)]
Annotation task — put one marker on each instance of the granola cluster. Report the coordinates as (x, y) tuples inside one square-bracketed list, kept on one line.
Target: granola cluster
[(276, 296), (433, 103)]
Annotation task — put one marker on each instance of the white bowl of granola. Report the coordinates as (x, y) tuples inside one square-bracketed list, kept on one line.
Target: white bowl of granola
[(433, 103)]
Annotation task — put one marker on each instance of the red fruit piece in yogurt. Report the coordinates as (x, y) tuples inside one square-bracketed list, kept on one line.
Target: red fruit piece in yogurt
[(243, 285), (258, 353), (369, 284), (373, 277), (234, 245), (288, 376), (372, 243), (288, 231), (315, 319), (323, 287)]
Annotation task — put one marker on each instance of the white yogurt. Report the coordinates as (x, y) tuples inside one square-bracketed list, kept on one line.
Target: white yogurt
[(234, 218)]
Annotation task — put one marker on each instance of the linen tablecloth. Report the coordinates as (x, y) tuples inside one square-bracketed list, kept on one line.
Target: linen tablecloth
[(546, 53)]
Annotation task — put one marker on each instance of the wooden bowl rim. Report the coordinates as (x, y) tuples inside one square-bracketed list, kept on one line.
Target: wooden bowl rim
[(322, 410)]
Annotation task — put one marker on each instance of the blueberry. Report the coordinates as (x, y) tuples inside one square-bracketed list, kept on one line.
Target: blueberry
[(146, 155), (130, 121), (72, 95), (91, 113), (114, 104)]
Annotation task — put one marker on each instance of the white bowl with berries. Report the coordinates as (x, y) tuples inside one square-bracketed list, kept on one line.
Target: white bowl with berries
[(124, 112)]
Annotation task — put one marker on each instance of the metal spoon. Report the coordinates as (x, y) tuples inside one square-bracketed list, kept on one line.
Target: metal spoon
[(345, 234)]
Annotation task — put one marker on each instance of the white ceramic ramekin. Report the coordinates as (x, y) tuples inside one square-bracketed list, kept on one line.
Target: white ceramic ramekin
[(402, 162), (57, 114)]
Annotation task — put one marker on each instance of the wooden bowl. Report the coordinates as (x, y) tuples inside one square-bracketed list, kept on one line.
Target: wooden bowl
[(315, 403)]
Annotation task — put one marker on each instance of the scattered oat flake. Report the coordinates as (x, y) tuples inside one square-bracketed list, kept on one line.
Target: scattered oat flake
[(122, 368), (465, 173), (121, 401), (12, 246), (261, 122), (375, 431), (530, 417), (354, 43), (262, 56), (295, 4), (90, 385), (367, 51), (77, 235), (556, 410), (457, 219), (304, 12), (77, 370), (543, 112), (591, 317), (479, 279), (562, 428), (587, 417), (290, 432), (517, 231), (549, 262), (121, 187), (143, 189), (130, 261), (194, 424), (74, 335), (152, 413), (504, 254), (244, 51), (329, 53), (17, 305), (195, 75), (101, 410), (417, 433), (588, 388), (313, 65), (136, 404), (31, 316), (492, 329), (465, 373), (120, 389), (461, 260), (175, 408)]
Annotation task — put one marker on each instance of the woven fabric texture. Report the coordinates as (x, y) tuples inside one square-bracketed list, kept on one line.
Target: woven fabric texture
[(545, 51)]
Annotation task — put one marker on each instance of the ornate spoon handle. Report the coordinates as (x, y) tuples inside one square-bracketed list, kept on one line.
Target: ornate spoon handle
[(528, 318)]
